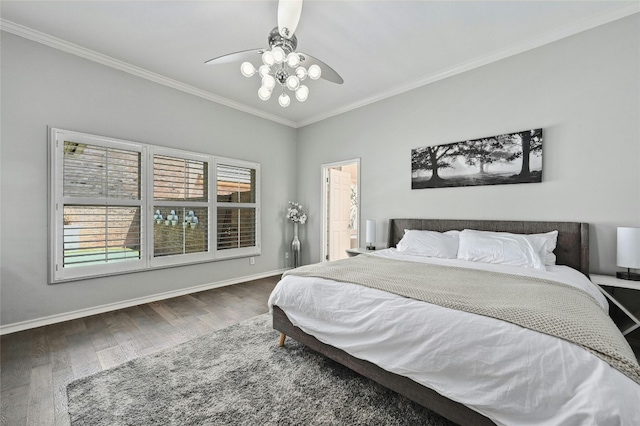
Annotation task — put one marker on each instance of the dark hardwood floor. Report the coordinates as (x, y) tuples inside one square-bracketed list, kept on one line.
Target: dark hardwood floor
[(36, 365)]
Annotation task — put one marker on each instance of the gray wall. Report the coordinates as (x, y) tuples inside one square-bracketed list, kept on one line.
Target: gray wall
[(583, 90), (44, 87)]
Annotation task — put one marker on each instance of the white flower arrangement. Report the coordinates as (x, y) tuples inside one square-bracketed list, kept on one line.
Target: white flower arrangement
[(295, 213)]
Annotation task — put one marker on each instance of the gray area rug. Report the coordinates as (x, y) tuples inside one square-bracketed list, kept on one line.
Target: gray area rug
[(238, 376)]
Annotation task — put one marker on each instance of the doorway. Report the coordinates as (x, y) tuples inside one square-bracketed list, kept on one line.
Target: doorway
[(340, 208)]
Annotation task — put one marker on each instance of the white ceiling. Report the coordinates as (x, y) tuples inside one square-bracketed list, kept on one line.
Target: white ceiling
[(380, 48)]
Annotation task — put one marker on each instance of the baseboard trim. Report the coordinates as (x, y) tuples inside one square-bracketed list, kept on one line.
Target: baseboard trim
[(81, 313)]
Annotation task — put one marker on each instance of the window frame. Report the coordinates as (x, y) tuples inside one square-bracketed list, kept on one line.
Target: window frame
[(146, 203), (59, 200), (242, 251), (177, 259)]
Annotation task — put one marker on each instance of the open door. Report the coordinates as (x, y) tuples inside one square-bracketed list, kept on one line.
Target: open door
[(340, 209), (339, 202)]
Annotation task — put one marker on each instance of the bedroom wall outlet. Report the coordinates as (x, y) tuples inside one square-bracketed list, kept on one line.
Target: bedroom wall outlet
[(252, 261), (286, 254)]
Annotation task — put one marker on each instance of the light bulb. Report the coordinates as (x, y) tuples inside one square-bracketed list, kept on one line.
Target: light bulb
[(284, 100), (247, 69), (269, 82), (314, 72), (267, 58), (278, 54), (264, 93), (302, 93), (293, 59), (263, 70), (301, 73), (293, 82)]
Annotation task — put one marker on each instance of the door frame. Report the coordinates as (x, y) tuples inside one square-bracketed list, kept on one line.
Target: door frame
[(324, 189)]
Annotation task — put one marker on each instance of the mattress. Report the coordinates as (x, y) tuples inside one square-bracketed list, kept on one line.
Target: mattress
[(513, 375)]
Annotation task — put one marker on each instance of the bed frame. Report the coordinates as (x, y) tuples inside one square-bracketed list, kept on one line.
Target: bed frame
[(572, 250)]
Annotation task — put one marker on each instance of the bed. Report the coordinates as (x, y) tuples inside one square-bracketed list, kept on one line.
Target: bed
[(471, 369)]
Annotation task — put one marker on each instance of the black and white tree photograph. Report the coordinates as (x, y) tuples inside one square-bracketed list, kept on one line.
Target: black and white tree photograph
[(496, 160)]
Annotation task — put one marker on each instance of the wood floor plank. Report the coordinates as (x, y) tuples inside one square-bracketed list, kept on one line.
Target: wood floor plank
[(40, 353), (16, 360), (59, 352), (61, 379), (123, 329), (37, 365), (185, 306), (155, 332), (152, 313), (82, 354), (40, 409), (164, 311), (178, 338), (13, 406), (110, 357), (101, 336), (75, 326)]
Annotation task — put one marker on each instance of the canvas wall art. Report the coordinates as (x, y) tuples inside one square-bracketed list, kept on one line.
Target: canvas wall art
[(496, 160)]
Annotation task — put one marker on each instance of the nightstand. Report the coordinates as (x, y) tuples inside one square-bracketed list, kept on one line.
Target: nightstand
[(632, 323), (356, 251)]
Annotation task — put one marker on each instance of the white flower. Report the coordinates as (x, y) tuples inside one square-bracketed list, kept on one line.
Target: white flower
[(295, 214)]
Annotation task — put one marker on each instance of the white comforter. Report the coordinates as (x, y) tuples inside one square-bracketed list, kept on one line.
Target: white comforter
[(512, 375)]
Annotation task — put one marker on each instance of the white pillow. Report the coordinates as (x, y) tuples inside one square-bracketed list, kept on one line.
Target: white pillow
[(552, 240), (502, 247), (429, 243)]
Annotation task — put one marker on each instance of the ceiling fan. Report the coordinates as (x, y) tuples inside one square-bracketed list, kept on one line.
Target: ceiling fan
[(281, 64)]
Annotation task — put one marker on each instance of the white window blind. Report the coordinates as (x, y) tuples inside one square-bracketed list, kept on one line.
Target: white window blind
[(99, 234), (99, 171), (237, 214), (98, 205), (181, 206), (236, 228), (179, 179), (181, 236)]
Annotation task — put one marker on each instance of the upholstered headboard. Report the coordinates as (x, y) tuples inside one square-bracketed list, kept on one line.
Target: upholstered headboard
[(573, 237)]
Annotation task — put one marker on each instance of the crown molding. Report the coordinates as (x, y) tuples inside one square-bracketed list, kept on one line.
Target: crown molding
[(567, 31), (65, 46)]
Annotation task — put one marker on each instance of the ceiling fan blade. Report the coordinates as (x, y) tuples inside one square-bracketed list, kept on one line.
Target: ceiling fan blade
[(289, 12), (328, 73), (243, 55)]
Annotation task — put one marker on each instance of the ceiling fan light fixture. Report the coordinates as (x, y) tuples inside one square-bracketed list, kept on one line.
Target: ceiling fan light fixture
[(281, 62), (264, 93), (269, 82), (278, 54), (293, 59), (282, 73), (292, 82), (314, 72), (284, 100), (267, 58), (302, 93), (264, 70), (301, 73), (247, 69)]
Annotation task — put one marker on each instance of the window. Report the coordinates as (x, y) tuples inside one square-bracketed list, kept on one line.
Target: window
[(237, 207), (119, 206), (98, 206), (180, 206)]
